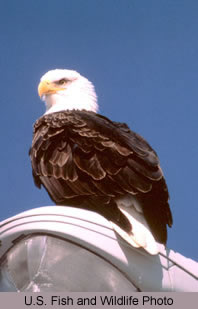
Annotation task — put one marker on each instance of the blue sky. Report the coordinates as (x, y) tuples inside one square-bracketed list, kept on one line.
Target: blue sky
[(142, 57)]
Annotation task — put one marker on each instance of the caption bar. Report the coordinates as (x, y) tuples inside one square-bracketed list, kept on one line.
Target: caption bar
[(98, 300)]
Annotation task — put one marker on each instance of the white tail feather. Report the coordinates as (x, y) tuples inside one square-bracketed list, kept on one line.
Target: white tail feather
[(140, 236)]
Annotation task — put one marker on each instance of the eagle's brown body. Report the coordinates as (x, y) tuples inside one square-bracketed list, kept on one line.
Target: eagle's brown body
[(84, 159)]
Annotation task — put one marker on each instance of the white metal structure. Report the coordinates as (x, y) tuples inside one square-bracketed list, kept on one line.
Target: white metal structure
[(69, 249)]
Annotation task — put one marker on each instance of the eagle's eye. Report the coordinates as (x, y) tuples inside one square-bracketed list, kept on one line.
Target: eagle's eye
[(62, 82)]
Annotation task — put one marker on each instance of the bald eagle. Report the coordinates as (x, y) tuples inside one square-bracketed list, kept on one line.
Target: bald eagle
[(85, 160)]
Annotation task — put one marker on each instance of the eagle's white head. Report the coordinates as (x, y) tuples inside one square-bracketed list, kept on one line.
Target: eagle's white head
[(67, 89)]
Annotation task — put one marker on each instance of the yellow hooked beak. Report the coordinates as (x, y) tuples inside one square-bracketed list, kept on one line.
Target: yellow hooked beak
[(47, 87)]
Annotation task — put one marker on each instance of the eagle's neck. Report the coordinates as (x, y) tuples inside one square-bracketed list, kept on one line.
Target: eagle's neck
[(75, 97)]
